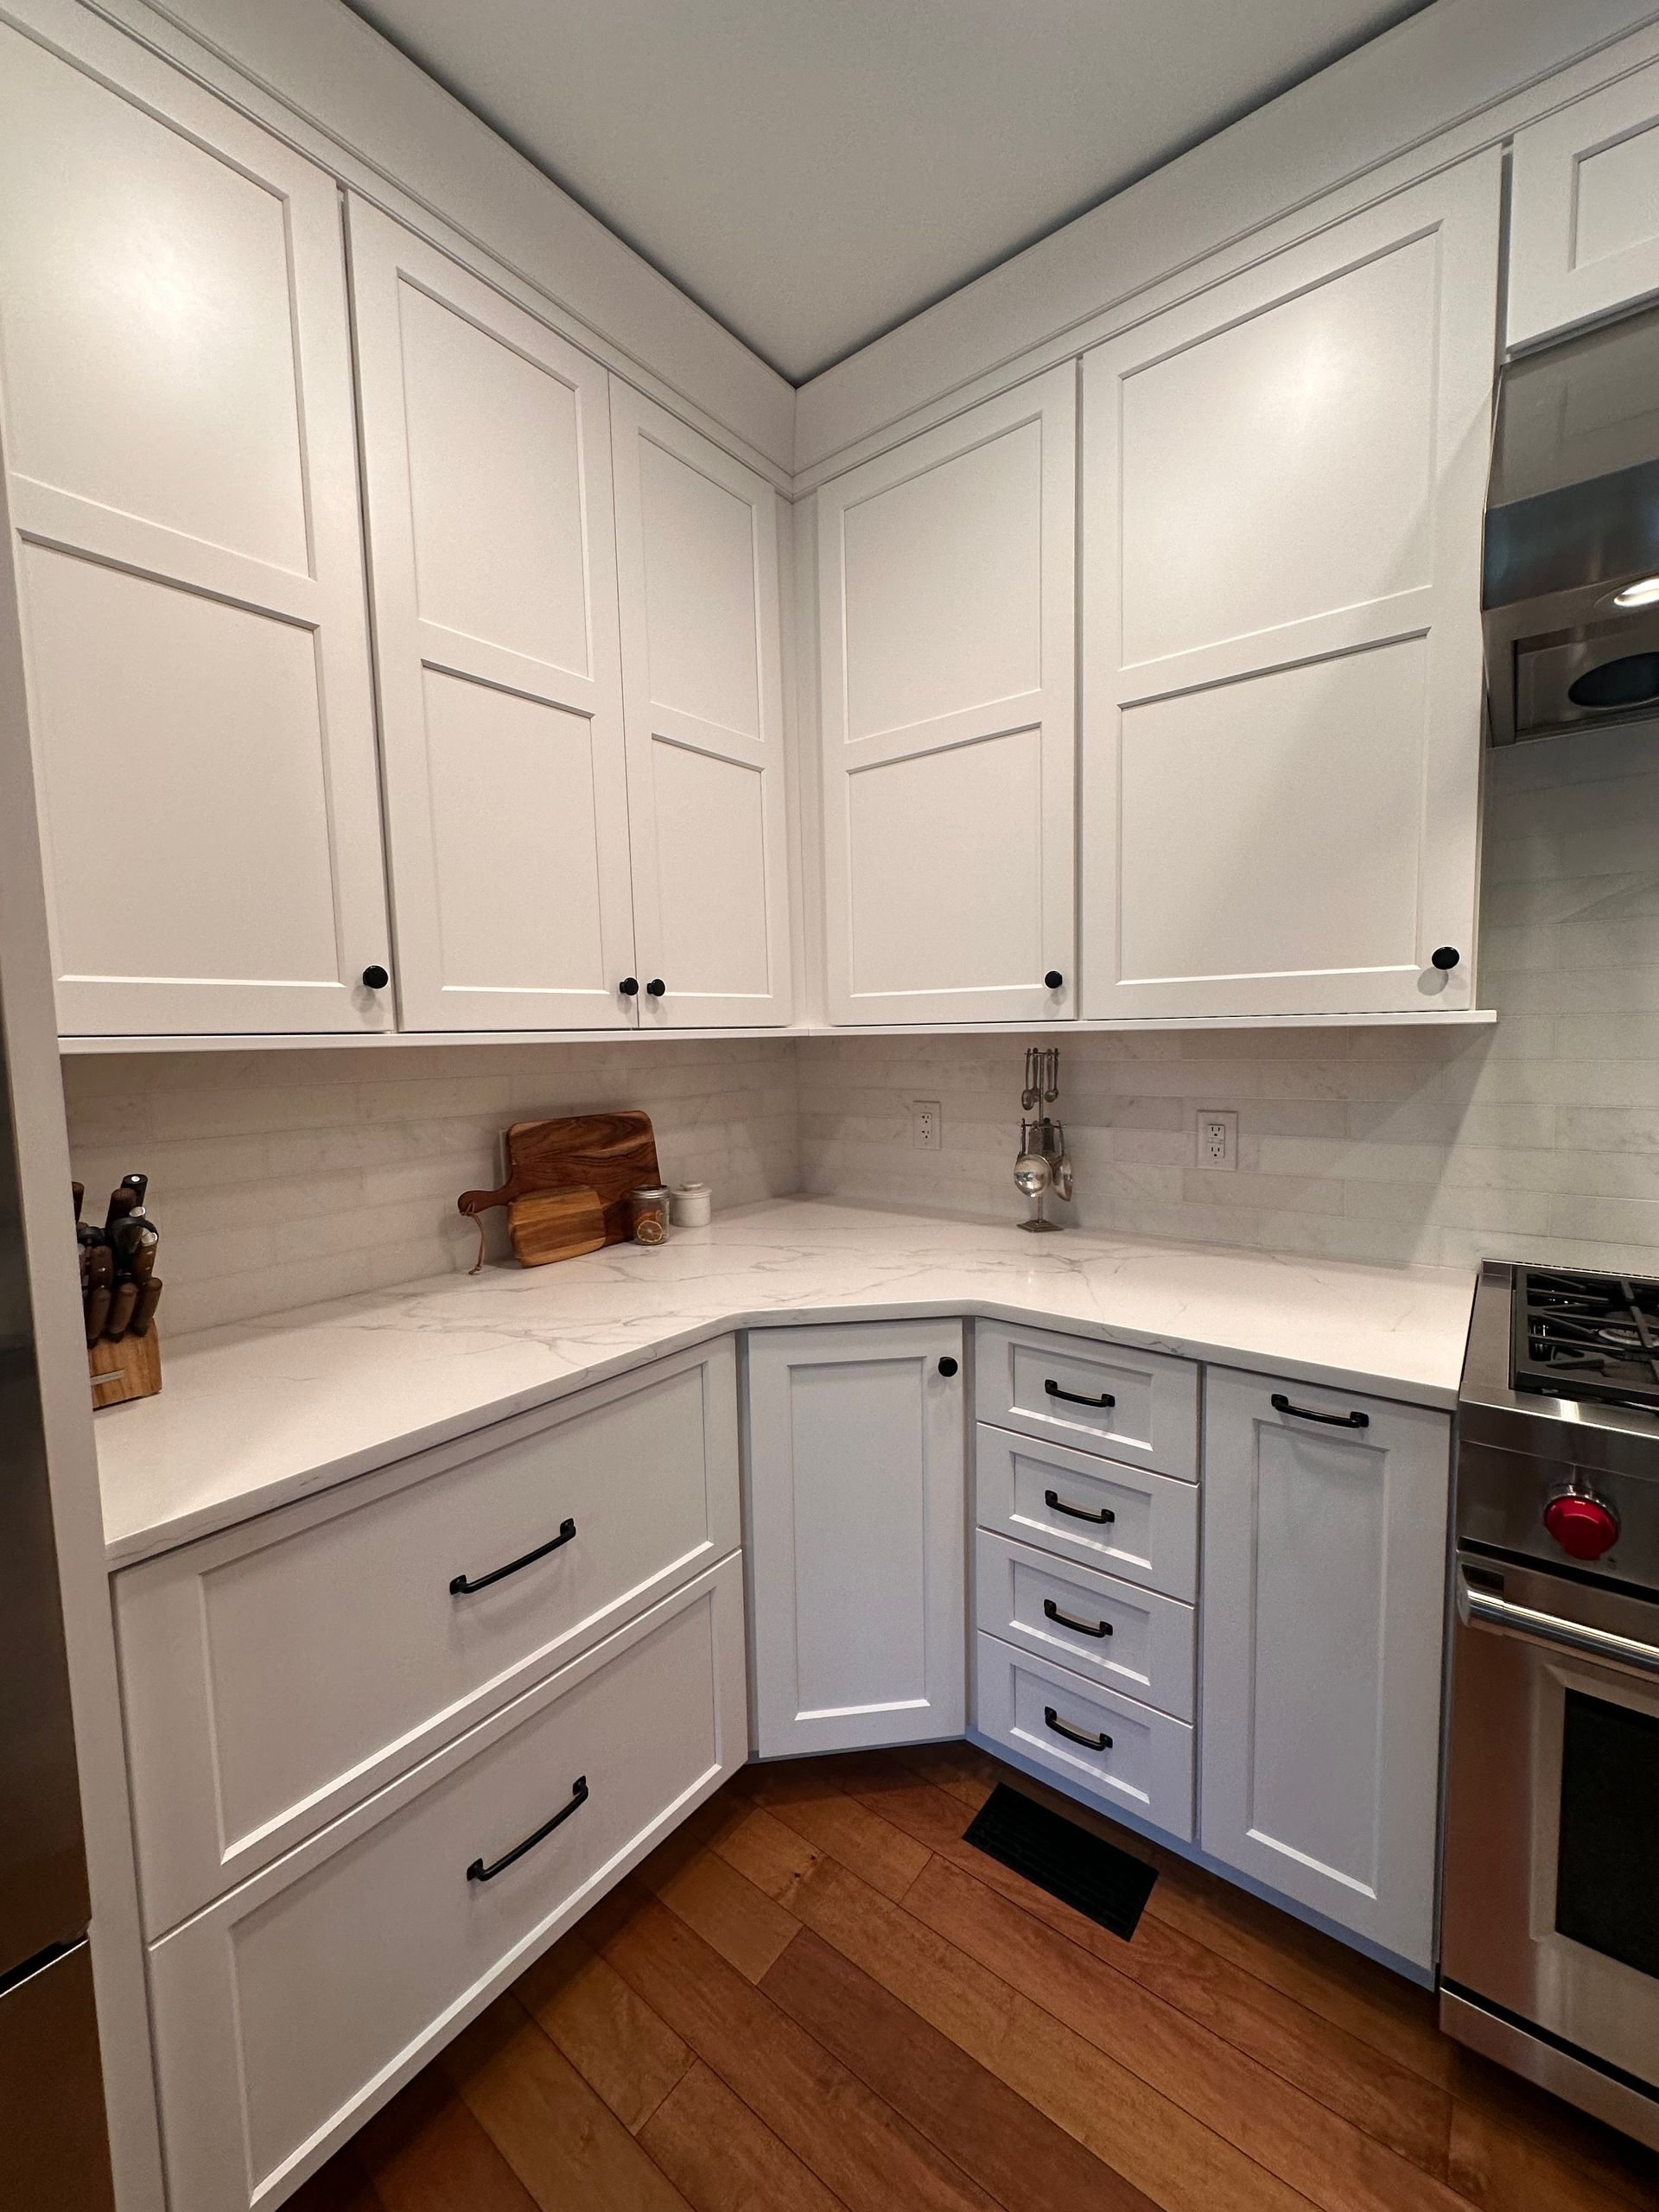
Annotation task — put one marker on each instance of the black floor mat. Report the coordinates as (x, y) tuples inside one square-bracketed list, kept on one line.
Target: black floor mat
[(1095, 1879)]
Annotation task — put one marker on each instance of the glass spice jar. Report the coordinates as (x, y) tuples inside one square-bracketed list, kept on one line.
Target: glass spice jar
[(650, 1210)]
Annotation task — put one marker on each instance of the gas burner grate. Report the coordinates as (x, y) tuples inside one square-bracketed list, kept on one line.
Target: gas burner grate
[(1586, 1336)]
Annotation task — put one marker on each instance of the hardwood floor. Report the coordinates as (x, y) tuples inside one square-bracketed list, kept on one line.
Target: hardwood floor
[(815, 1998)]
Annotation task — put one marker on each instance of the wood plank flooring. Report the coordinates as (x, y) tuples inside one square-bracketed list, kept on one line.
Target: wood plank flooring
[(815, 1998)]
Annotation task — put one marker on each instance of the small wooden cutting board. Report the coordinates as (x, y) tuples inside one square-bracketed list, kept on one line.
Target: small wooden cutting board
[(599, 1158)]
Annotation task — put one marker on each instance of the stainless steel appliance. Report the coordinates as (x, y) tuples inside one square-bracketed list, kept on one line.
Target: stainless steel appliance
[(1550, 1861), (53, 2148), (1571, 587)]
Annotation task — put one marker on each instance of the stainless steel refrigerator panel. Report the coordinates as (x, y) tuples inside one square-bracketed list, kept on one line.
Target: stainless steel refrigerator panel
[(54, 2154), (42, 1877)]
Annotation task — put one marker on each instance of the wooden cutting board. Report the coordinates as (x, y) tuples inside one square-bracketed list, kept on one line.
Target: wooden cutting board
[(606, 1156), (555, 1225)]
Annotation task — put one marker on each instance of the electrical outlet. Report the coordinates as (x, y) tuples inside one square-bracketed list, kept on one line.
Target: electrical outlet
[(925, 1124), (1217, 1137)]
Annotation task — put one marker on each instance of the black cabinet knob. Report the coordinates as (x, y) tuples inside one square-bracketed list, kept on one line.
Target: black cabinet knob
[(1054, 979), (947, 1365), (1445, 956), (629, 987), (655, 988), (375, 978)]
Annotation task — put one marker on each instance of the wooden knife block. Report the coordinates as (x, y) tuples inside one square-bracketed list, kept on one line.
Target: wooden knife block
[(129, 1368)]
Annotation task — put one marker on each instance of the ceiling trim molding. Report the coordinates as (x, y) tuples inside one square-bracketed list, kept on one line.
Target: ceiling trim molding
[(1462, 75)]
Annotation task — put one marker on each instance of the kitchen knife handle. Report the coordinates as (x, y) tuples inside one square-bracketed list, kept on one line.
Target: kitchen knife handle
[(98, 1311), (150, 1297), (121, 1308)]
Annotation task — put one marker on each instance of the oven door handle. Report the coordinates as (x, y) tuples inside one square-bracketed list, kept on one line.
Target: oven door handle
[(1479, 1609)]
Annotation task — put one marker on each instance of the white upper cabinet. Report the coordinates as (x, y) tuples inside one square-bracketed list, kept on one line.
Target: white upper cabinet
[(946, 576), (1283, 486), (696, 542), (175, 371), (1584, 209), (487, 464)]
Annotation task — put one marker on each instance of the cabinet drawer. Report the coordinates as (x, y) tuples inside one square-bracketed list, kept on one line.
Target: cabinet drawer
[(1140, 1528), (1126, 1639), (281, 1672), (1144, 1765), (1139, 1407), (293, 2007)]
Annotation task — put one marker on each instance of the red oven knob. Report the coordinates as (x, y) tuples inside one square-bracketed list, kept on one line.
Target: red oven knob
[(1583, 1526)]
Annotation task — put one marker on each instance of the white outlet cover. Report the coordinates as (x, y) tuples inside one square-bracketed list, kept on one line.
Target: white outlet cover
[(1217, 1137), (925, 1124)]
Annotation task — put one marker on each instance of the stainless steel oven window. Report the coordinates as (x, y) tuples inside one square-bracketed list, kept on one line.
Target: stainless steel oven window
[(1607, 1854)]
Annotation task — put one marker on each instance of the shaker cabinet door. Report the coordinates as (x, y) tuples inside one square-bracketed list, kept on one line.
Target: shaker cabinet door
[(1322, 1621), (946, 624), (1584, 210), (175, 371), (857, 1515), (1283, 486), (487, 464), (703, 699)]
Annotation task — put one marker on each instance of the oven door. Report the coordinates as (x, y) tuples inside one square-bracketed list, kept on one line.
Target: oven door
[(1550, 1903)]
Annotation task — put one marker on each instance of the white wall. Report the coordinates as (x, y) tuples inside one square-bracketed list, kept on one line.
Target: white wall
[(1540, 1137), (281, 1178)]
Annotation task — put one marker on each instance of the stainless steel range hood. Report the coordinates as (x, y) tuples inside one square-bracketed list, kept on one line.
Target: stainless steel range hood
[(1572, 526)]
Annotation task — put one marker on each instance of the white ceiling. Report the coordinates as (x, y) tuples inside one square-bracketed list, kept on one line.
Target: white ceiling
[(816, 171)]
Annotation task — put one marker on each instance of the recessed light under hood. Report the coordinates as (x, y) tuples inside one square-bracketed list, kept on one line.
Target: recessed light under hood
[(1571, 587)]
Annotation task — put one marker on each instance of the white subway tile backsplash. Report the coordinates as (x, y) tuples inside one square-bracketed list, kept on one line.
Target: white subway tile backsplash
[(281, 1178)]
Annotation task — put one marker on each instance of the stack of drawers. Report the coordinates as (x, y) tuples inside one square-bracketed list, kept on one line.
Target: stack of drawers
[(1086, 1560), (386, 1743)]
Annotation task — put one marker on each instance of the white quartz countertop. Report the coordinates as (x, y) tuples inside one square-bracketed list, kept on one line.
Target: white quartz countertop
[(255, 1415)]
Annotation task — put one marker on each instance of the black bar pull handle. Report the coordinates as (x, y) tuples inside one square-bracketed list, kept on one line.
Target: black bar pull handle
[(1071, 1397), (1281, 1404), (460, 1586), (1101, 1743), (1052, 1612), (477, 1872), (1055, 1503)]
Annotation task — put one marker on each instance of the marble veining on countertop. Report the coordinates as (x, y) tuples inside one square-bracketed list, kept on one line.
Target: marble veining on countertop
[(256, 1415)]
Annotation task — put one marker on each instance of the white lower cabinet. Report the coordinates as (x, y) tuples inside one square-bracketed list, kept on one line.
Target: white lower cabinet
[(1107, 1632), (1137, 1407), (295, 2007), (1138, 1527), (856, 1534), (1323, 1619), (434, 1591), (1121, 1753)]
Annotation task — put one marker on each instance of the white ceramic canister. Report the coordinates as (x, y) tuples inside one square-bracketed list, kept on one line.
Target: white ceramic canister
[(690, 1205)]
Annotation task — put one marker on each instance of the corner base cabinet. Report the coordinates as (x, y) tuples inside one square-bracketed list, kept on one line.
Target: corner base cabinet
[(1322, 1619), (857, 1506)]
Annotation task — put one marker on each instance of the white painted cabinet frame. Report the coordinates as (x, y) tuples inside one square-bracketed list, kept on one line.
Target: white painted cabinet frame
[(1281, 738), (946, 573), (1584, 209), (183, 483), (486, 456), (696, 544)]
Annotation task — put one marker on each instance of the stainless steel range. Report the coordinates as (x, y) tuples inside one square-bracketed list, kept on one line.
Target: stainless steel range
[(1550, 1889)]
